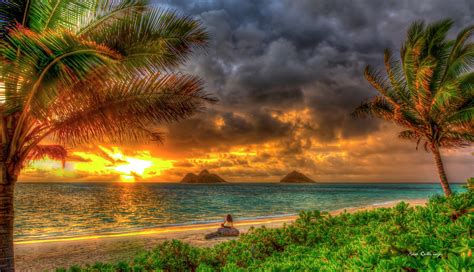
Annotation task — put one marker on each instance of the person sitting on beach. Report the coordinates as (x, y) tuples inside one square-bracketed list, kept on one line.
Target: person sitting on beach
[(228, 222), (227, 229)]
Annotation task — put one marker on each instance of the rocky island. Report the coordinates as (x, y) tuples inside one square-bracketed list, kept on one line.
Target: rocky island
[(203, 177), (296, 177)]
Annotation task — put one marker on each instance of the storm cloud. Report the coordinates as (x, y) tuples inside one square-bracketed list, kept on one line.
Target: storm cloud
[(270, 58)]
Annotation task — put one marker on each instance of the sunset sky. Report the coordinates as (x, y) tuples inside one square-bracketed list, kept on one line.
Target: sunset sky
[(287, 74)]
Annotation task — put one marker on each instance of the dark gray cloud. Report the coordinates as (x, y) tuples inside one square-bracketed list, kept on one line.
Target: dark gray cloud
[(235, 129), (281, 54), (271, 56)]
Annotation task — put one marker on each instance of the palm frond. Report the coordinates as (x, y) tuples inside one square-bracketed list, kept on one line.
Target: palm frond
[(51, 59), (431, 92), (409, 57), (459, 52), (54, 152), (395, 74), (462, 63), (154, 37), (378, 107), (423, 82), (464, 117), (92, 70), (382, 85), (415, 31), (456, 139), (106, 12), (57, 14), (127, 110), (438, 49), (435, 35), (411, 135), (446, 97), (441, 57)]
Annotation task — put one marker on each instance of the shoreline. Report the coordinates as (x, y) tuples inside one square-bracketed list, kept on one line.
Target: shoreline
[(194, 225), (162, 230), (48, 254)]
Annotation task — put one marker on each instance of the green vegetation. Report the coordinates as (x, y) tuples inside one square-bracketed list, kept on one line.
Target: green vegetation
[(428, 90), (437, 237), (470, 184)]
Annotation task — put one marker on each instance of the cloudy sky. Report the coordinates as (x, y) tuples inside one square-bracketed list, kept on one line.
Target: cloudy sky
[(287, 74)]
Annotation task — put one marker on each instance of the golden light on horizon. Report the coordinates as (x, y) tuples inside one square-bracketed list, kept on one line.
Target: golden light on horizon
[(111, 163), (344, 158), (130, 168)]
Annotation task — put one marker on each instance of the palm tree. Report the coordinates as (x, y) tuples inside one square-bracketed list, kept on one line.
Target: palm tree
[(75, 71), (429, 91)]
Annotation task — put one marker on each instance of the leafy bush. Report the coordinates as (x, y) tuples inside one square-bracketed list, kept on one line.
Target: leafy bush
[(437, 237), (470, 184)]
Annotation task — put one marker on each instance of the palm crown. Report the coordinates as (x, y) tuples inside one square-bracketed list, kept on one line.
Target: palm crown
[(78, 71), (430, 90)]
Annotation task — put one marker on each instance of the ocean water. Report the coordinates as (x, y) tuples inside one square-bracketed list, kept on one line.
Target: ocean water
[(54, 210)]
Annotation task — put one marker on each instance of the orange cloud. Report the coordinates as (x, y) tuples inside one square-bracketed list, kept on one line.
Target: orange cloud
[(378, 157), (111, 162)]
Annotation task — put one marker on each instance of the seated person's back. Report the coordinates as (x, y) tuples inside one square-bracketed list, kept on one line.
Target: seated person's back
[(229, 222), (226, 230)]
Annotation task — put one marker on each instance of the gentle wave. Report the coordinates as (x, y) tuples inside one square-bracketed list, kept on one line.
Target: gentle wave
[(81, 209), (386, 202)]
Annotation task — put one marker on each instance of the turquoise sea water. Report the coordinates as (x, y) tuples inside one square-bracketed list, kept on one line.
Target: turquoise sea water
[(50, 210)]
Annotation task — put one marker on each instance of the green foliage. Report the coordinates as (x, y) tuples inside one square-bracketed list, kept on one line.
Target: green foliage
[(83, 71), (77, 71), (428, 90), (402, 238), (470, 184)]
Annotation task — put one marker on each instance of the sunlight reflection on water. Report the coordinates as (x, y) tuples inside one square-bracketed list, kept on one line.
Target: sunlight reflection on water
[(61, 210)]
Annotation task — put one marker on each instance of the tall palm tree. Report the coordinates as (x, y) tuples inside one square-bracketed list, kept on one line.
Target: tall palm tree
[(76, 71), (429, 91)]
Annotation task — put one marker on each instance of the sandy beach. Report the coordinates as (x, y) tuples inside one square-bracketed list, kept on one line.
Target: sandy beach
[(46, 255)]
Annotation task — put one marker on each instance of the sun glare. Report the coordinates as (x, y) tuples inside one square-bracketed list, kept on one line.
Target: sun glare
[(133, 168), (142, 165), (109, 163)]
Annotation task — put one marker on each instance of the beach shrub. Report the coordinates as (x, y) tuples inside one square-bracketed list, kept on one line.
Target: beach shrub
[(470, 184), (436, 237), (171, 256)]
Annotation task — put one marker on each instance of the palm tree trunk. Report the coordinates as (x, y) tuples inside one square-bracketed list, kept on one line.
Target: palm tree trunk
[(441, 172), (7, 185)]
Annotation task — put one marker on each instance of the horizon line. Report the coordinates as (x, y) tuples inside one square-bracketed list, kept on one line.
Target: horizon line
[(247, 182)]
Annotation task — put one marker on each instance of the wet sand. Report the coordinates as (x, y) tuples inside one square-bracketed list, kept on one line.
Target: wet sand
[(46, 255)]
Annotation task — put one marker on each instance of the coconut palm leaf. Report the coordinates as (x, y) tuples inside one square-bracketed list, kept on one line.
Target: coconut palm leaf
[(54, 152), (51, 48), (90, 70), (126, 109), (50, 59), (379, 107), (461, 54), (429, 91), (57, 14), (464, 117), (153, 37), (105, 13), (396, 78)]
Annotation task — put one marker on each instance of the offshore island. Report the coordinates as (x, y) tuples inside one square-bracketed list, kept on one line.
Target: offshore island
[(296, 177), (203, 177)]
